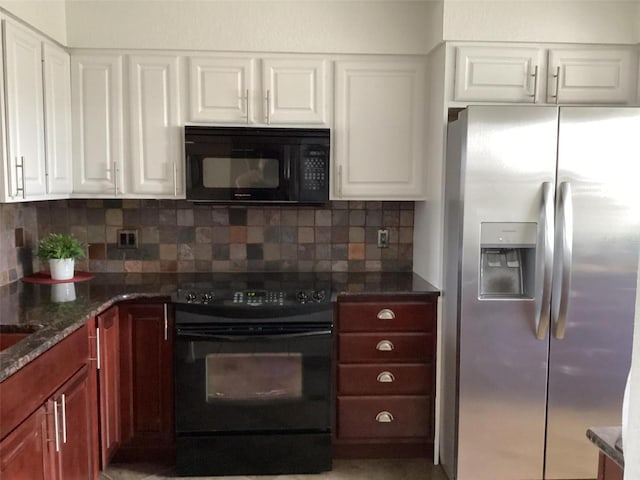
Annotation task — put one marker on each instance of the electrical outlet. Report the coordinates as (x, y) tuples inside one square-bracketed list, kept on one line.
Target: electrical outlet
[(127, 239), (383, 238)]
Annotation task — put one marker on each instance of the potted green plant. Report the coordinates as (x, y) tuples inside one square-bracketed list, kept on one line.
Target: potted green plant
[(61, 251)]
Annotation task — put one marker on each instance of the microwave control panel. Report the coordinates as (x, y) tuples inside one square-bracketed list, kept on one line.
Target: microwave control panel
[(314, 178)]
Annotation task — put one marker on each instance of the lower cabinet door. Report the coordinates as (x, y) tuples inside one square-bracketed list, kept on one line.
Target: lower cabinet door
[(146, 376), (384, 417), (23, 453), (70, 411)]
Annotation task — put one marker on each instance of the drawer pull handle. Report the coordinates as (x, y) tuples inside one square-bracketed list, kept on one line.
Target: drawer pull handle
[(384, 346), (384, 417), (386, 377), (386, 314)]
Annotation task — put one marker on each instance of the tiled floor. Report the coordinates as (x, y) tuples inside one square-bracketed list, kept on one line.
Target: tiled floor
[(400, 469)]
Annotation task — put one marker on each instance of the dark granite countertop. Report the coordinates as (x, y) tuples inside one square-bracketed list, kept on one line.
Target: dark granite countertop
[(607, 439), (31, 308)]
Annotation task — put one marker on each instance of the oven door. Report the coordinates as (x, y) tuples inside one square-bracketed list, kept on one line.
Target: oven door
[(253, 379)]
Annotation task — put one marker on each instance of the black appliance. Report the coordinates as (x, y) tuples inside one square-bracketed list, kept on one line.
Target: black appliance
[(254, 165), (253, 386)]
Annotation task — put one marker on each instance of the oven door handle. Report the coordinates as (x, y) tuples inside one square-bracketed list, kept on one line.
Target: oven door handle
[(243, 338)]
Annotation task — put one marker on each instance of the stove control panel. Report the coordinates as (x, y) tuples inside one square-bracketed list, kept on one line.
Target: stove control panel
[(254, 298)]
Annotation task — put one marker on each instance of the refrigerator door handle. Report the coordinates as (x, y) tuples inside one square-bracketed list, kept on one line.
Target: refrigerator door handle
[(543, 295), (564, 245)]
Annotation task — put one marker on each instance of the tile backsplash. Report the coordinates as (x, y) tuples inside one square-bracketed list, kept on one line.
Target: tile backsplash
[(178, 236), (18, 240)]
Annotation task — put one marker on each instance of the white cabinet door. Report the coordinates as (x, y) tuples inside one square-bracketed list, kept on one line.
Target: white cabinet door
[(295, 90), (591, 75), (25, 112), (498, 74), (379, 130), (221, 89), (156, 147), (97, 113), (57, 108)]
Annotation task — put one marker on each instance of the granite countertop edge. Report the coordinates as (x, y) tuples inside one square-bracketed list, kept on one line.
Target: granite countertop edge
[(47, 335), (607, 440)]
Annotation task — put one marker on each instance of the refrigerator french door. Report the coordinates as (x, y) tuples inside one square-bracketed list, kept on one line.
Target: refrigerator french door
[(542, 226)]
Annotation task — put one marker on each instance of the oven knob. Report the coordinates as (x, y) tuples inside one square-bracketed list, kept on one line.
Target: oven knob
[(190, 297), (303, 296), (207, 297), (319, 295)]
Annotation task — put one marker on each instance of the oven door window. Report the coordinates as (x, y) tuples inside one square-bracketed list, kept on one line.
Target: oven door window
[(254, 383), (253, 377)]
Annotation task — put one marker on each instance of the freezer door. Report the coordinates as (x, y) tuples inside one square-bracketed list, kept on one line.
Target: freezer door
[(508, 162), (598, 225)]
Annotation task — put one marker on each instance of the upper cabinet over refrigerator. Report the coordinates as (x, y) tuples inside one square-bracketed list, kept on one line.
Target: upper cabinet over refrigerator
[(542, 240)]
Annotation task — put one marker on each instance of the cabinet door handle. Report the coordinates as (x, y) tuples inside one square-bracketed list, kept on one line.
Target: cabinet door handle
[(384, 346), (115, 178), (268, 107), (340, 181), (166, 322), (535, 83), (64, 418), (56, 425), (384, 417), (386, 314), (386, 377), (22, 177), (97, 359), (557, 82), (175, 179), (247, 100)]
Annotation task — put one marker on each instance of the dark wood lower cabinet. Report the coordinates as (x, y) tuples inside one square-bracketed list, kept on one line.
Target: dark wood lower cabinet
[(608, 469), (69, 412), (108, 335), (146, 340), (23, 454)]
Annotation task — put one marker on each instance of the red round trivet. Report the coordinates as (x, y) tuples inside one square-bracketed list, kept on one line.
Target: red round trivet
[(45, 277)]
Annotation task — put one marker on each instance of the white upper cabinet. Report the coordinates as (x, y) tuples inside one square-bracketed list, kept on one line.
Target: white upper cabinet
[(57, 98), (536, 74), (98, 109), (37, 160), (155, 166), (25, 114), (295, 91), (591, 75), (291, 90), (509, 74), (220, 89), (378, 149)]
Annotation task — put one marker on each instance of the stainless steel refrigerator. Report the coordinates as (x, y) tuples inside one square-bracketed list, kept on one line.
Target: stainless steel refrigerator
[(542, 236)]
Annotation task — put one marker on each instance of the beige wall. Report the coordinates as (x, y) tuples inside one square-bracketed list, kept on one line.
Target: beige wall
[(580, 21), (340, 26), (48, 16)]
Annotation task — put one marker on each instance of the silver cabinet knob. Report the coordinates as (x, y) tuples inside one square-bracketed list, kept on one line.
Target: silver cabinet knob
[(384, 417), (384, 346), (385, 377), (386, 314)]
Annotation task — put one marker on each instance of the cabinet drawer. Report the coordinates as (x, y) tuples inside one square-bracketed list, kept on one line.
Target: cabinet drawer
[(362, 417), (385, 379), (385, 317), (385, 347)]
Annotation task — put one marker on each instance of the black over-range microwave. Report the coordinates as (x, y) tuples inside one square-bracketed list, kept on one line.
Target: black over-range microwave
[(252, 165)]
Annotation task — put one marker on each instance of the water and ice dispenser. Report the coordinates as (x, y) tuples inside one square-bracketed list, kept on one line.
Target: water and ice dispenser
[(507, 260)]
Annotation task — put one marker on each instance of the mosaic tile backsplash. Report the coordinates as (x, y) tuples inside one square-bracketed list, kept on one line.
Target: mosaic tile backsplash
[(18, 240), (177, 236)]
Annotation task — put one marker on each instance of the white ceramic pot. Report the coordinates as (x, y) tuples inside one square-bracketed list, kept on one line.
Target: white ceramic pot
[(63, 292), (61, 269)]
